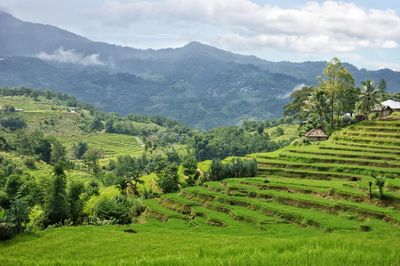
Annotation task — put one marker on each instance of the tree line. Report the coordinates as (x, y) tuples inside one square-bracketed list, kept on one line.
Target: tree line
[(336, 101)]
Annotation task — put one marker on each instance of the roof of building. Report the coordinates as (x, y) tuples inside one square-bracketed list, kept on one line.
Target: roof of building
[(317, 133), (392, 104)]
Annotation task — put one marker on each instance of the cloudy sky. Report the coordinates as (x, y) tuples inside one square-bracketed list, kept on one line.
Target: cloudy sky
[(365, 33)]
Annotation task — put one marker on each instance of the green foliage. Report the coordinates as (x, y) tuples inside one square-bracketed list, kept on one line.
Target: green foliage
[(380, 182), (12, 122), (4, 200), (7, 231), (168, 179), (119, 209), (75, 203), (230, 141), (128, 171), (328, 105), (30, 163), (56, 208), (296, 108), (237, 167), (189, 165), (91, 160), (79, 149), (18, 214), (370, 96), (13, 185), (58, 153), (43, 150)]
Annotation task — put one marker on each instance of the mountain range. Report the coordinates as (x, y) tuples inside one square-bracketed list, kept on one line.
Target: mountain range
[(197, 84)]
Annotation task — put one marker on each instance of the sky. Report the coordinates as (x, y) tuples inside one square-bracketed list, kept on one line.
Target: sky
[(365, 33)]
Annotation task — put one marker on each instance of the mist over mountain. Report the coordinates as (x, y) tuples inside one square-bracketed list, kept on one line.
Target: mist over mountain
[(197, 84)]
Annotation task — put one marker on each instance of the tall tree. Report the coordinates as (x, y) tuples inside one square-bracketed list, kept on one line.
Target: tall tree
[(296, 107), (370, 96), (168, 179), (319, 108), (336, 81), (74, 201), (79, 149), (190, 169), (56, 209)]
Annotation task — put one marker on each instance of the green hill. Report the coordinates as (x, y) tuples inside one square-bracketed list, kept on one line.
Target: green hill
[(309, 205), (58, 120)]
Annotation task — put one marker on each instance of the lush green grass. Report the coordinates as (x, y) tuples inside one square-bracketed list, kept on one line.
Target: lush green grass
[(180, 243)]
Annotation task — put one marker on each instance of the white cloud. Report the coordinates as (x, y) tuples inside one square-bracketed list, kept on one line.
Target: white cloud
[(331, 26), (70, 56), (296, 88)]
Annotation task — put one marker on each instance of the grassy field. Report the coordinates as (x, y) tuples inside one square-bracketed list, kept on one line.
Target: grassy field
[(176, 242)]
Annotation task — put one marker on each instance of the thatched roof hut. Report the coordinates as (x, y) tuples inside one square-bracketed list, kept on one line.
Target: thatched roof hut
[(316, 134)]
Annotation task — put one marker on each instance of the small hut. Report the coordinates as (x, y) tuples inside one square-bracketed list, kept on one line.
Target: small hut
[(316, 134), (385, 111)]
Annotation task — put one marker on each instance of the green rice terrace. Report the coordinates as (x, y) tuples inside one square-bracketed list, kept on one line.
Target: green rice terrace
[(321, 189)]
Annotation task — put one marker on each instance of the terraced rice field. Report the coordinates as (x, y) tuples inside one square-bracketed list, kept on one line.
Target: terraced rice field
[(322, 185), (110, 145)]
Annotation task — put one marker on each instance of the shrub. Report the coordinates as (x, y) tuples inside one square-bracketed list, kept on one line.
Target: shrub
[(79, 149), (12, 122), (235, 168), (4, 200), (301, 141), (30, 163), (118, 208), (365, 228), (37, 217), (18, 214), (7, 231), (168, 179)]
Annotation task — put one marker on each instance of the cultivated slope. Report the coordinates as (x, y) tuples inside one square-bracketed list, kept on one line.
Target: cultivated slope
[(322, 185)]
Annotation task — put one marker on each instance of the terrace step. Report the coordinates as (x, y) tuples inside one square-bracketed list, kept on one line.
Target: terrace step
[(320, 158), (367, 128), (158, 211), (385, 143), (352, 147), (310, 174), (343, 154), (326, 167), (380, 135)]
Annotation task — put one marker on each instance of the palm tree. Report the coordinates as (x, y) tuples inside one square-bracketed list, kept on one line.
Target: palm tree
[(129, 183), (370, 183), (380, 182), (370, 95)]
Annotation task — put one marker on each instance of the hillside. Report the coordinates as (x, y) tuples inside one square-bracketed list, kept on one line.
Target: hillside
[(57, 120), (309, 203), (188, 84), (330, 176)]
